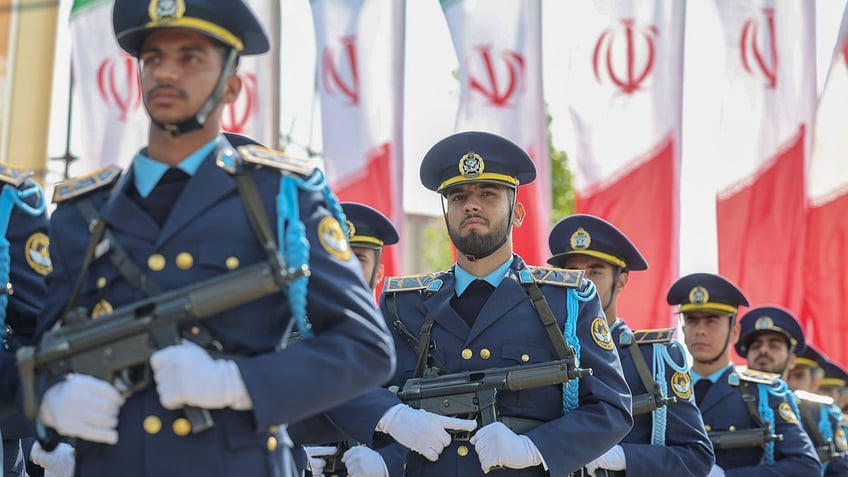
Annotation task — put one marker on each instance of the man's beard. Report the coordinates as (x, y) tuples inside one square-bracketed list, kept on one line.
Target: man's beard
[(479, 245)]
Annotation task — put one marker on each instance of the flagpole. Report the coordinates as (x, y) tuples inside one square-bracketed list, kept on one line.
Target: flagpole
[(276, 48), (68, 157)]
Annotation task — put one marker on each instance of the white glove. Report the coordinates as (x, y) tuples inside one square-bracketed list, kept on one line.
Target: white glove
[(83, 406), (186, 375), (315, 461), (716, 471), (613, 459), (497, 446), (421, 431), (364, 462), (57, 463)]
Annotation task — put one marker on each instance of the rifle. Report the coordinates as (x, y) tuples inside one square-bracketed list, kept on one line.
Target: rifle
[(724, 440), (471, 394), (828, 452), (117, 346), (648, 402), (334, 465)]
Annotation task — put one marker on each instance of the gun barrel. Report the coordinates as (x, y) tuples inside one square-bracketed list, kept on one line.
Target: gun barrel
[(724, 440), (648, 402)]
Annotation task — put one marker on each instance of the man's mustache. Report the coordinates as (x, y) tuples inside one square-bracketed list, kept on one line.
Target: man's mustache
[(182, 93)]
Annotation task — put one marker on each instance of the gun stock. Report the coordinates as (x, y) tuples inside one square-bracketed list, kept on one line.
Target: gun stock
[(122, 341), (724, 440)]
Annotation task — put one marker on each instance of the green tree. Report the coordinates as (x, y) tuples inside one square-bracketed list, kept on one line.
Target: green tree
[(562, 181)]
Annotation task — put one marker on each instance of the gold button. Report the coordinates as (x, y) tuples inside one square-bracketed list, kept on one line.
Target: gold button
[(156, 262), (462, 451), (467, 353), (272, 443), (708, 427), (101, 282), (232, 263), (731, 428), (184, 260), (273, 429), (195, 330), (525, 357), (485, 353), (152, 425), (181, 426)]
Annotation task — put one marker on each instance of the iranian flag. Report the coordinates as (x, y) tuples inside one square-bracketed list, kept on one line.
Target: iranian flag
[(112, 120), (499, 47), (768, 103), (360, 79), (826, 252), (626, 74), (113, 123), (255, 112)]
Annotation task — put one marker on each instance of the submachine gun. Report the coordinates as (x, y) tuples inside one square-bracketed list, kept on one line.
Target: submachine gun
[(117, 346), (758, 436), (651, 401), (472, 394)]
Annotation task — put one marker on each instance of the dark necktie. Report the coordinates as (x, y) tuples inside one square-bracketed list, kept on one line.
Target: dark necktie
[(472, 299), (701, 389), (162, 198)]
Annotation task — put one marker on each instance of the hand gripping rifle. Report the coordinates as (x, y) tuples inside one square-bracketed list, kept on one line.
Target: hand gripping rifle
[(117, 346), (758, 436), (471, 394)]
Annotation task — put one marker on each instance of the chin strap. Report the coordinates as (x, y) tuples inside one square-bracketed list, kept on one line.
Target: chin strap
[(199, 119)]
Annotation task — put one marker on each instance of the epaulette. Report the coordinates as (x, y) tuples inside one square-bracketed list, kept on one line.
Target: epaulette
[(13, 175), (552, 276), (79, 186), (659, 335), (816, 398), (255, 154), (754, 376), (424, 281)]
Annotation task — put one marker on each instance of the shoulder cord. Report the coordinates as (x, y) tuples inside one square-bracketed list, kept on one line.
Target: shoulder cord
[(573, 298), (767, 415), (293, 244), (661, 359), (9, 198)]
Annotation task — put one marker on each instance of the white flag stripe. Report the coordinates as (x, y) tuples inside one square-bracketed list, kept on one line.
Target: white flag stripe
[(625, 73), (768, 83), (828, 171)]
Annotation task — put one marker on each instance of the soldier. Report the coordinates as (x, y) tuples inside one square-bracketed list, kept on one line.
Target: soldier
[(491, 310), (834, 383), (819, 415), (668, 435), (24, 261), (748, 414), (368, 232), (192, 208)]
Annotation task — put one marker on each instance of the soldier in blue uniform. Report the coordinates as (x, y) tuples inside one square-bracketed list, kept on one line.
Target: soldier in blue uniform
[(668, 435), (743, 411), (24, 262), (819, 414), (191, 208), (369, 231), (491, 310), (834, 383)]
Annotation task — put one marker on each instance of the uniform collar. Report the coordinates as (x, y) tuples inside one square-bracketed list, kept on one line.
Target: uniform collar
[(147, 171), (713, 377), (463, 278), (618, 322)]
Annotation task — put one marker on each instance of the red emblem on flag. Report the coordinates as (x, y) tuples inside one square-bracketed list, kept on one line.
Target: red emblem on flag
[(237, 114), (629, 61), (499, 80), (117, 82), (334, 76), (758, 48)]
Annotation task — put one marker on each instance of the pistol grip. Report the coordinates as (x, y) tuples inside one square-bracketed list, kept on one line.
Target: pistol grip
[(199, 418)]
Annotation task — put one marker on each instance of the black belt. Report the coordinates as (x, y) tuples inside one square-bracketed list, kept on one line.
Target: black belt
[(519, 425)]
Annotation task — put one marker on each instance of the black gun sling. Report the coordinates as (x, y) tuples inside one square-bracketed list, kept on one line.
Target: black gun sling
[(645, 374)]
